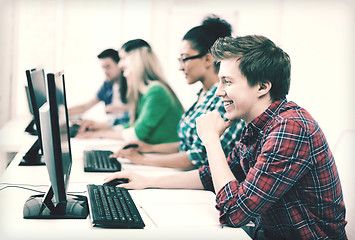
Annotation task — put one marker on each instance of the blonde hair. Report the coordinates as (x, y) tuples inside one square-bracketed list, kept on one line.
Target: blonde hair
[(146, 71)]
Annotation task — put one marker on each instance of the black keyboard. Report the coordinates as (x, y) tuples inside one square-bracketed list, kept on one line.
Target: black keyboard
[(99, 161), (113, 207)]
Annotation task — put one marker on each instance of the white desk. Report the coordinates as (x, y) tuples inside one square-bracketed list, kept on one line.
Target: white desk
[(168, 214), (12, 138), (12, 135)]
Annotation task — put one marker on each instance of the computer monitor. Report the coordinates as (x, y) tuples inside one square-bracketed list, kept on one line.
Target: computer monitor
[(56, 203), (35, 79), (36, 97)]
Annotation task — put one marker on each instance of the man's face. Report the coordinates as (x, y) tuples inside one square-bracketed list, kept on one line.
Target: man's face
[(238, 96), (110, 67)]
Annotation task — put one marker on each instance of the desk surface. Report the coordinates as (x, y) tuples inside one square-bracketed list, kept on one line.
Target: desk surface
[(167, 213), (12, 134)]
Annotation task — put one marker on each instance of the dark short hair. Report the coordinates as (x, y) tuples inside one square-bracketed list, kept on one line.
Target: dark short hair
[(260, 60), (109, 53)]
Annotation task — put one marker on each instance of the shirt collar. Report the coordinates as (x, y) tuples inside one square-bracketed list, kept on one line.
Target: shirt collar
[(210, 91), (261, 122), (257, 127)]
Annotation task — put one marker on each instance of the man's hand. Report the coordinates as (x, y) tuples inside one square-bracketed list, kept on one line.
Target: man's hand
[(135, 181), (210, 126)]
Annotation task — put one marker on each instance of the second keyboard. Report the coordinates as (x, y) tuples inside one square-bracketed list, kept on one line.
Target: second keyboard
[(99, 161)]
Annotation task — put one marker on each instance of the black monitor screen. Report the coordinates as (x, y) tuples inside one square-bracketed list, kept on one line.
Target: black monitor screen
[(36, 97)]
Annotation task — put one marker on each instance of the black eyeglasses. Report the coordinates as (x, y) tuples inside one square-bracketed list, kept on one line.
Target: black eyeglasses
[(183, 60)]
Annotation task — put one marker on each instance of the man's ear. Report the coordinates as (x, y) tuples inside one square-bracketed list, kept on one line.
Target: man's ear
[(264, 88)]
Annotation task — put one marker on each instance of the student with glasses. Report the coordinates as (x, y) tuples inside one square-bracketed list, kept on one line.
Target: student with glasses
[(198, 66)]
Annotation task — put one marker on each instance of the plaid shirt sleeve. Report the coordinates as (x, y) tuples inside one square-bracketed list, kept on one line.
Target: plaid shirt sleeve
[(205, 172), (280, 164)]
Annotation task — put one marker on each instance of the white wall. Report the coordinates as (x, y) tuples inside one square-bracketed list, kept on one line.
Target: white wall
[(321, 43), (6, 39), (68, 34)]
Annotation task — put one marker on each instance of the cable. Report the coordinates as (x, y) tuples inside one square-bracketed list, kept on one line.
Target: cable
[(24, 184), (75, 193), (15, 185), (18, 186)]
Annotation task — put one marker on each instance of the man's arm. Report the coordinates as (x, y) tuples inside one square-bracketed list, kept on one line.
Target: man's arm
[(210, 127), (181, 180), (83, 107)]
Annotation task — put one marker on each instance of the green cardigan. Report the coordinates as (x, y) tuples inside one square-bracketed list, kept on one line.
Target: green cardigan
[(158, 115)]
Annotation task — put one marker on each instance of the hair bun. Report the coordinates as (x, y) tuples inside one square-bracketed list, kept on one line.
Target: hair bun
[(221, 27)]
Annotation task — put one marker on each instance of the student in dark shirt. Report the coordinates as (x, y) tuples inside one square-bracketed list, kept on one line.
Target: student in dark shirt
[(281, 174), (112, 91)]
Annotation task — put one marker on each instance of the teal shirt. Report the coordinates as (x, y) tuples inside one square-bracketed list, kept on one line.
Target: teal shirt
[(158, 115)]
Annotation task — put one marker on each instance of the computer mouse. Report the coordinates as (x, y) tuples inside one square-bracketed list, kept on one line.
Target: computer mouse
[(73, 130), (116, 181), (130, 146)]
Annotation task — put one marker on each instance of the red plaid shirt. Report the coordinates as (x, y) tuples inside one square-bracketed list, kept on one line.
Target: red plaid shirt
[(287, 180)]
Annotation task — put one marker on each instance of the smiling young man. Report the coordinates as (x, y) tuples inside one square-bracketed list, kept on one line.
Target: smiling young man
[(281, 174)]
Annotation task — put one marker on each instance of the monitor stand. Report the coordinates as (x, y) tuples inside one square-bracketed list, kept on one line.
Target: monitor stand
[(30, 128), (32, 156), (41, 207)]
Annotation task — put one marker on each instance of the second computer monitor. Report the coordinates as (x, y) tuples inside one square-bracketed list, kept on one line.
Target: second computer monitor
[(36, 96)]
